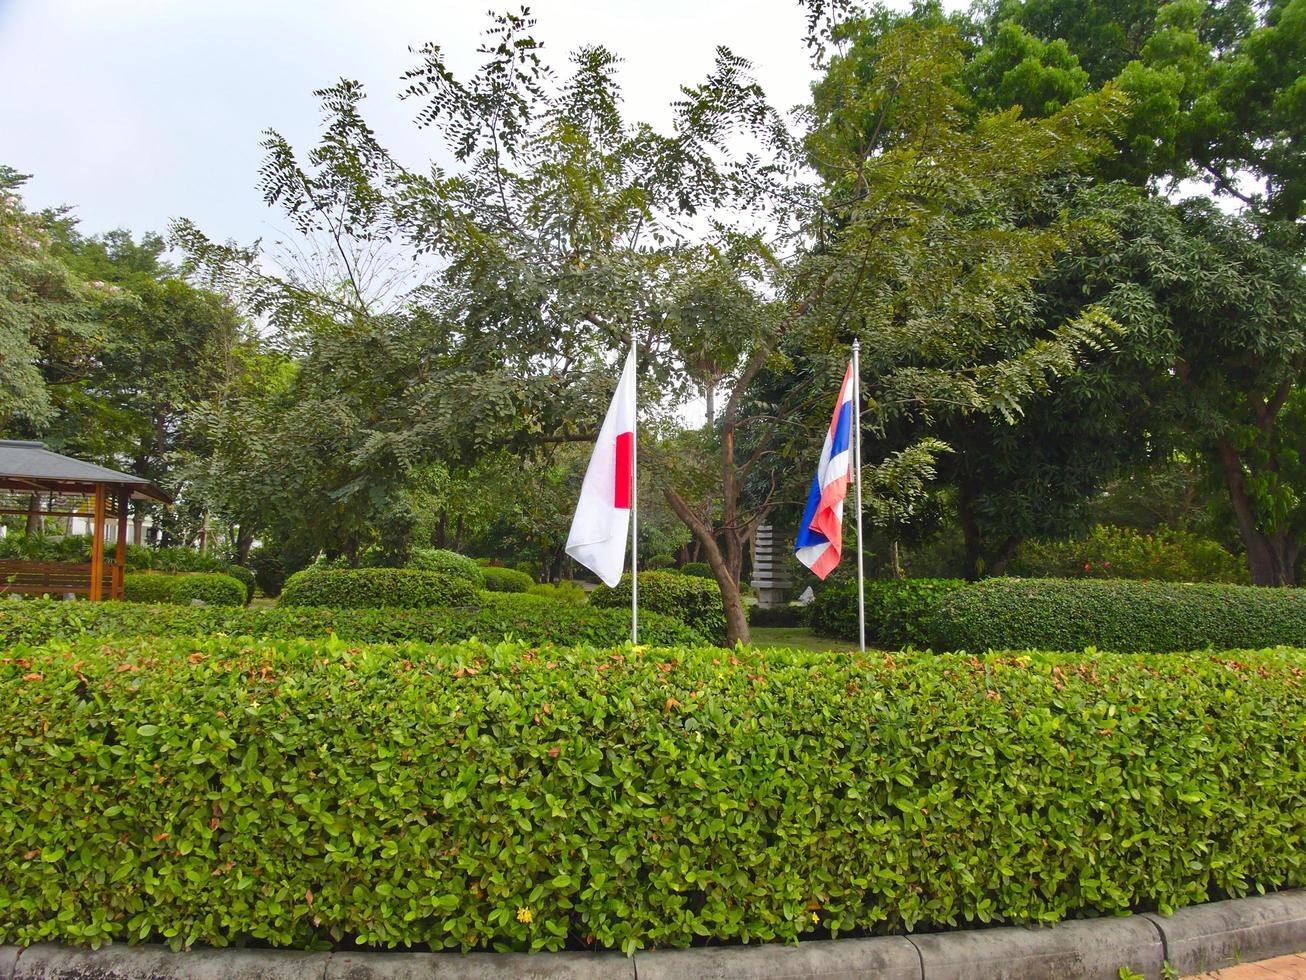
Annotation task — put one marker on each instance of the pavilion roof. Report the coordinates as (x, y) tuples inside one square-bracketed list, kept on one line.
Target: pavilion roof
[(30, 466)]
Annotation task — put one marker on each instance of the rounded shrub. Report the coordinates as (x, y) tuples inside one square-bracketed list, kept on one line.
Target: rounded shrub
[(448, 563), (1166, 555), (1123, 616), (210, 588), (695, 602), (506, 579), (697, 569), (889, 794), (375, 588), (246, 578), (898, 613), (566, 592), (656, 563), (148, 586)]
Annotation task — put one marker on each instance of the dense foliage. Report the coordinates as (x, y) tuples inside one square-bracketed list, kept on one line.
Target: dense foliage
[(1060, 614), (898, 613), (448, 563), (696, 602), (1165, 555), (148, 587), (506, 579), (372, 588), (77, 548), (269, 572), (299, 793), (527, 619), (211, 588), (789, 615)]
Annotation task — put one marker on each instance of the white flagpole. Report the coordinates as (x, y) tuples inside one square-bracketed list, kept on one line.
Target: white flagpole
[(857, 464), (634, 503)]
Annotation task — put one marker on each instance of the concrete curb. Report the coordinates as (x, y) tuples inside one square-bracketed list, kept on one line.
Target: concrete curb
[(1079, 948), (489, 966), (1200, 938), (1220, 934), (890, 957)]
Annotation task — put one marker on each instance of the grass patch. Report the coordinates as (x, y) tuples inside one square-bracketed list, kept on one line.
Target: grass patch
[(795, 638)]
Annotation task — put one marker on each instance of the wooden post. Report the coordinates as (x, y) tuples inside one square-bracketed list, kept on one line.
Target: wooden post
[(120, 553), (97, 547)]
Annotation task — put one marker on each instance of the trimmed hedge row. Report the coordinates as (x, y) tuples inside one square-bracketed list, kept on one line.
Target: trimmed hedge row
[(304, 793), (526, 618), (448, 563), (696, 602), (1123, 616), (506, 579), (787, 616), (376, 588), (209, 587), (898, 613), (77, 548)]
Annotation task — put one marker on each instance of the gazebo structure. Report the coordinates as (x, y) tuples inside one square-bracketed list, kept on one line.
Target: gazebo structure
[(71, 488)]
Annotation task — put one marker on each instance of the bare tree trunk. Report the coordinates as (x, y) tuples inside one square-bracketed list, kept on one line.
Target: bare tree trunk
[(732, 600), (1271, 558), (244, 542), (709, 394), (34, 524), (441, 533)]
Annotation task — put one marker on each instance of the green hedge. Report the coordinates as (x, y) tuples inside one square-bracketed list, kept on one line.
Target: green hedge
[(269, 571), (1059, 614), (306, 793), (246, 578), (448, 563), (148, 587), (137, 558), (522, 617), (655, 563), (209, 587), (212, 589), (898, 613), (787, 616), (697, 569), (694, 601), (374, 588), (565, 591), (1167, 555), (506, 579)]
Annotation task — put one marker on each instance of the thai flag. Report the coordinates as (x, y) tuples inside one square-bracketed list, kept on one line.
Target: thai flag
[(820, 536)]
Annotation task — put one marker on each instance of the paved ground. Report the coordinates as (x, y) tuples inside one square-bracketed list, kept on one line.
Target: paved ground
[(1279, 968)]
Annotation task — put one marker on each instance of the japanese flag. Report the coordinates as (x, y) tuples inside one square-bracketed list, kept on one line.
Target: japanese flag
[(599, 529)]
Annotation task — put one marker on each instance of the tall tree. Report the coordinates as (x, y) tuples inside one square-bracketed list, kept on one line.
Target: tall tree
[(45, 311)]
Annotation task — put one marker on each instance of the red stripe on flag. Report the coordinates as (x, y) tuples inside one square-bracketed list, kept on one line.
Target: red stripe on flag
[(625, 463)]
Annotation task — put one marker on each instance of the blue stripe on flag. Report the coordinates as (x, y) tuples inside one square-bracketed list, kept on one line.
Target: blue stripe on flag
[(806, 536)]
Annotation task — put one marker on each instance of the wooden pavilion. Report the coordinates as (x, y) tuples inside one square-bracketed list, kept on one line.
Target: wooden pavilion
[(72, 488)]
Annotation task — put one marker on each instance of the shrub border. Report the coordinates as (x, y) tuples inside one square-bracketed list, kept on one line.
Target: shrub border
[(1194, 939)]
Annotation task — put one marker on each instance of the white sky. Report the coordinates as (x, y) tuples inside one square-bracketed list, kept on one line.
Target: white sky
[(139, 111)]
